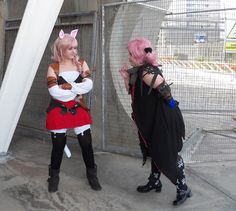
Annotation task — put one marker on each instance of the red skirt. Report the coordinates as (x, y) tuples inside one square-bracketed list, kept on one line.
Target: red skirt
[(55, 120)]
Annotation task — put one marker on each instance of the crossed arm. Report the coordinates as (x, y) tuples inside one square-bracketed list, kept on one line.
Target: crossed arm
[(67, 91)]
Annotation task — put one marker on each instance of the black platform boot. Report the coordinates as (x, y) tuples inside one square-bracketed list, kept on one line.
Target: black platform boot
[(91, 174), (153, 183), (53, 180), (182, 196)]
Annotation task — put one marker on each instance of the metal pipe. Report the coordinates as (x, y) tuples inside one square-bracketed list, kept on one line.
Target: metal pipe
[(124, 3), (201, 11), (103, 78)]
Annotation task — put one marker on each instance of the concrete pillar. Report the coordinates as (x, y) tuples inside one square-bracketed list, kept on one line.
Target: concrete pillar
[(33, 35), (3, 16)]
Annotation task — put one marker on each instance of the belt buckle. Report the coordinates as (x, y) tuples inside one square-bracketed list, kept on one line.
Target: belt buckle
[(72, 111)]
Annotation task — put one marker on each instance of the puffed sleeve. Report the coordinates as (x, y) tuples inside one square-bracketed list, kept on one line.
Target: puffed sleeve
[(61, 94), (83, 87)]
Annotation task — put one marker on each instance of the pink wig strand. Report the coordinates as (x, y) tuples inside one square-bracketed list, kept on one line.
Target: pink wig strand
[(136, 48)]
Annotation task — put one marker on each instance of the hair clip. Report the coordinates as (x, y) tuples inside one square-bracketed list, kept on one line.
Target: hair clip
[(148, 50)]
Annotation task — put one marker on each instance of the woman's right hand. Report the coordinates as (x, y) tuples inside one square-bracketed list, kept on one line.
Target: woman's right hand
[(125, 75), (124, 72)]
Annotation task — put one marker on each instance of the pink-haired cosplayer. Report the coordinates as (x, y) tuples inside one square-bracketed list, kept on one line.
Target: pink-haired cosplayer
[(158, 118), (68, 78)]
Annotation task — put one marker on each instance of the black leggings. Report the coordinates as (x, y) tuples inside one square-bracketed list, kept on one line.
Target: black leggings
[(59, 142), (85, 142), (181, 181)]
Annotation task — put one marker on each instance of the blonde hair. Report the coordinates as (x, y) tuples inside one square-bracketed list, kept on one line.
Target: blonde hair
[(60, 45)]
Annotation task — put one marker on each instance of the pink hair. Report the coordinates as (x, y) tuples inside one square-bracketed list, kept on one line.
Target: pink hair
[(136, 49), (60, 45)]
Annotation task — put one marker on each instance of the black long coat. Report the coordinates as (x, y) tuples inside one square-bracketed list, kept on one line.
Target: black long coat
[(161, 128)]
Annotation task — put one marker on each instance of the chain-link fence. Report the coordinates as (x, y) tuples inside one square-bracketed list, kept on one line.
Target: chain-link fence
[(195, 43), (34, 112), (190, 40)]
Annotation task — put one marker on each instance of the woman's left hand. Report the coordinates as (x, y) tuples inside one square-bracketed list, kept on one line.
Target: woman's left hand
[(66, 86)]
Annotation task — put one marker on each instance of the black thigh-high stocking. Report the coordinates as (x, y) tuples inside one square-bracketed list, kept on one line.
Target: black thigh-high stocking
[(181, 181), (85, 142), (58, 144)]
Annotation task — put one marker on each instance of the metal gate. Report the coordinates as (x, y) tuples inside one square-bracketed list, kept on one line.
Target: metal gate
[(189, 38)]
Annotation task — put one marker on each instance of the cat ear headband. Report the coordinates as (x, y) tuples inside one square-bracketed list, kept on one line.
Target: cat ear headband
[(73, 33)]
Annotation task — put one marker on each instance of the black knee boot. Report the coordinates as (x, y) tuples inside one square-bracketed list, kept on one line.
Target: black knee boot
[(91, 174), (58, 144), (182, 196), (183, 191), (153, 183), (53, 180), (85, 141), (153, 180)]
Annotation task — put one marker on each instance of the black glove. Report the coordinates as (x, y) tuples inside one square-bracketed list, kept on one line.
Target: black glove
[(165, 92)]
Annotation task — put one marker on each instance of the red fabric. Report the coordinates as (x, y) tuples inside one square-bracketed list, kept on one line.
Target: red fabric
[(55, 120)]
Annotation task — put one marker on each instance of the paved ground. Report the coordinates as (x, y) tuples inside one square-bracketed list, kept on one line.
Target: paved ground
[(23, 183)]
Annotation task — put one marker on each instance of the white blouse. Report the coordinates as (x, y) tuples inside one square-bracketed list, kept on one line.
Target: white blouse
[(77, 88)]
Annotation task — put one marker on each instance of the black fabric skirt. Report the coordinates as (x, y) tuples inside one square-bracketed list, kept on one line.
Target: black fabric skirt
[(161, 128)]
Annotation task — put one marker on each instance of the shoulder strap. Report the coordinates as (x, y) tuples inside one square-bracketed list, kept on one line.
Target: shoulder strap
[(156, 71), (55, 67), (81, 61), (149, 69)]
